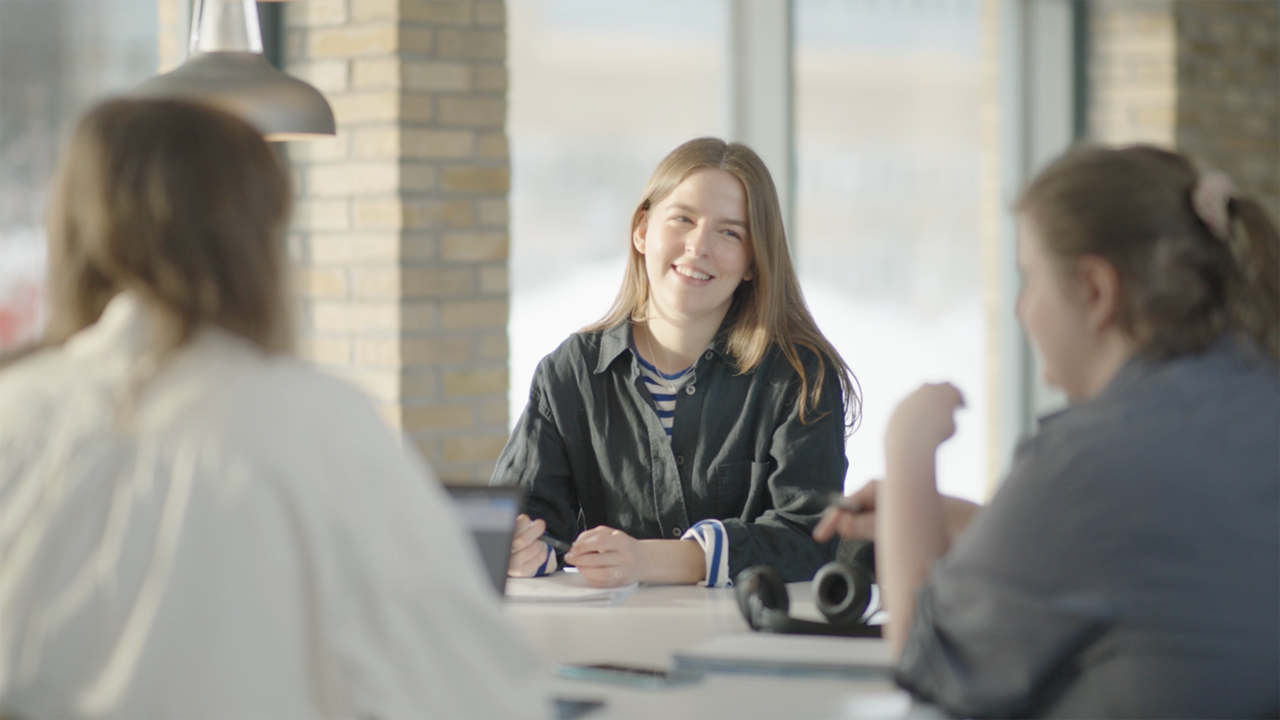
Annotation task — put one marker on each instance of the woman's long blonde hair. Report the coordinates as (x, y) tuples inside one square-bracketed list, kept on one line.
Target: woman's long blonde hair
[(184, 205), (767, 310)]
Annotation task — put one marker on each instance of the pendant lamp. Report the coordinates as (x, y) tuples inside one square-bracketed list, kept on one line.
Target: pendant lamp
[(226, 69)]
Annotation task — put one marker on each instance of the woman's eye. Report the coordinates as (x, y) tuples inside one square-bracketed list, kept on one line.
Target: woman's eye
[(733, 234), (683, 219)]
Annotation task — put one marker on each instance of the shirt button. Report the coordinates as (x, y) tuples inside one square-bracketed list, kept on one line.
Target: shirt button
[(679, 459), (708, 355), (675, 532), (690, 390)]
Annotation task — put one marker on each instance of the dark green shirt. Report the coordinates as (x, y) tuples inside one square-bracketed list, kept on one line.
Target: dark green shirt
[(589, 450)]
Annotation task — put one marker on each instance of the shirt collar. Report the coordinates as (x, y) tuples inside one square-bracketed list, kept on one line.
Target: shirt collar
[(1138, 367), (617, 340), (613, 342), (1133, 370), (123, 328)]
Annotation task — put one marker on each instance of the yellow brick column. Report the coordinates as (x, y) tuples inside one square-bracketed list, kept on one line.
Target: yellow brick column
[(1132, 72), (175, 28), (400, 235), (1229, 91), (1201, 75)]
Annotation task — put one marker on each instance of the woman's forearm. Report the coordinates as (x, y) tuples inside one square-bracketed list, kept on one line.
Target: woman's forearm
[(672, 562), (912, 533)]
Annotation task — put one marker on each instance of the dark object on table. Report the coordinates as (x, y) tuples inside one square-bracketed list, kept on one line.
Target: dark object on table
[(842, 593)]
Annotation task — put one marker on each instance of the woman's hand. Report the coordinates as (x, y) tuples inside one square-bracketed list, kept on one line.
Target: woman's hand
[(612, 558), (846, 523), (925, 419), (528, 552), (606, 557)]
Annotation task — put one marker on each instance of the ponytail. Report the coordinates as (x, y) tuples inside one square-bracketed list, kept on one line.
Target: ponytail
[(1254, 297), (1196, 260)]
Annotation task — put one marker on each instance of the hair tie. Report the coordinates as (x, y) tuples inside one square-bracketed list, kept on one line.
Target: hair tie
[(1210, 197)]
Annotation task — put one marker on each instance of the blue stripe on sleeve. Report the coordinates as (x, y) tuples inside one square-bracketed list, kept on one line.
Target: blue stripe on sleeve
[(711, 535), (543, 570), (715, 554)]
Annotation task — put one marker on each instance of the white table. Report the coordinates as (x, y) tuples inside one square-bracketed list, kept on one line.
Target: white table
[(655, 622)]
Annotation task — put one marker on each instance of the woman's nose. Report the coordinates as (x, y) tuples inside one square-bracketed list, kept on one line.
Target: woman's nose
[(695, 242)]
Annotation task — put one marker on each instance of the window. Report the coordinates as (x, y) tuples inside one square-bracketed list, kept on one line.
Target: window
[(601, 90), (912, 125), (889, 100), (56, 58)]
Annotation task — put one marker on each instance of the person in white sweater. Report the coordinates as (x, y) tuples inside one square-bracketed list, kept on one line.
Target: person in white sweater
[(192, 522)]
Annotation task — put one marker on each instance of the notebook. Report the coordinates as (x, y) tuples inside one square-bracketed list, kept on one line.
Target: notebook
[(490, 513), (772, 654)]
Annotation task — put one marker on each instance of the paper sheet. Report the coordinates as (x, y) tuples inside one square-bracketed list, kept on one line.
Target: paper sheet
[(565, 587), (786, 655)]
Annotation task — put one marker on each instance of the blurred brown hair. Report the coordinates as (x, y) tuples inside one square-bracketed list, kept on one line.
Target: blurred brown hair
[(768, 309), (1182, 287), (183, 204)]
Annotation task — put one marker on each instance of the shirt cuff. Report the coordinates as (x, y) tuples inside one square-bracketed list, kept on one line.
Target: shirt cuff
[(711, 535), (550, 565)]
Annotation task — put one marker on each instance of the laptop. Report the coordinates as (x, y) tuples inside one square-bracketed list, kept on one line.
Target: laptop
[(490, 513)]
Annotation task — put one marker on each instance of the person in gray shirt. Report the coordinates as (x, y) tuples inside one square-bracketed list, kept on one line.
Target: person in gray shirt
[(1129, 566)]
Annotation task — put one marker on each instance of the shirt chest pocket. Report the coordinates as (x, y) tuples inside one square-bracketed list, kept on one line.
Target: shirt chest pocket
[(734, 484)]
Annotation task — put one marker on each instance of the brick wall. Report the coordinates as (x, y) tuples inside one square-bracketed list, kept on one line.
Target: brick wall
[(1199, 75), (174, 26), (1229, 90), (1132, 75), (400, 234)]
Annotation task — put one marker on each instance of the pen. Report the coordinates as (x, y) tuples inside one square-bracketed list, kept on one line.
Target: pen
[(555, 544), (842, 502)]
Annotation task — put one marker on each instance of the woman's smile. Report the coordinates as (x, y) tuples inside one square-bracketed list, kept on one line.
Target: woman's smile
[(692, 275)]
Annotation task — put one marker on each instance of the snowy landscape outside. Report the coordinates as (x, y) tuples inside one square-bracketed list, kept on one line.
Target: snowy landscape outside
[(885, 228)]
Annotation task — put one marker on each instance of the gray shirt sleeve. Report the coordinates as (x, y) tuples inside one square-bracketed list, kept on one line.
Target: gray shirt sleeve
[(999, 620), (984, 647)]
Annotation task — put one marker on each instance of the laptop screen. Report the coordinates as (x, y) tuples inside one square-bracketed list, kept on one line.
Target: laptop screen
[(490, 514)]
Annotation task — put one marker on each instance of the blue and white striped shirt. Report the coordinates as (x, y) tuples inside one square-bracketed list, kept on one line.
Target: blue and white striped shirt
[(664, 389)]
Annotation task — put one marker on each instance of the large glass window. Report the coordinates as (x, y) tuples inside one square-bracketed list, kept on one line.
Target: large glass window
[(600, 91), (56, 58), (890, 140), (896, 189)]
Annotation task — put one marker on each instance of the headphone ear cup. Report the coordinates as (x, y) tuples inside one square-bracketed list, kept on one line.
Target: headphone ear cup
[(760, 587), (865, 557), (842, 592)]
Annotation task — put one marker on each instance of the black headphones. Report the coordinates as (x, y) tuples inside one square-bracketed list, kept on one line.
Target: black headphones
[(841, 591)]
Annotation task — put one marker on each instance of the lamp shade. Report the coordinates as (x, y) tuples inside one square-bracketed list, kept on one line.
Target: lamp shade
[(226, 70), (243, 83)]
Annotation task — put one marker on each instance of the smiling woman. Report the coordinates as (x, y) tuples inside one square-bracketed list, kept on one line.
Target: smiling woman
[(695, 254), (698, 428)]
